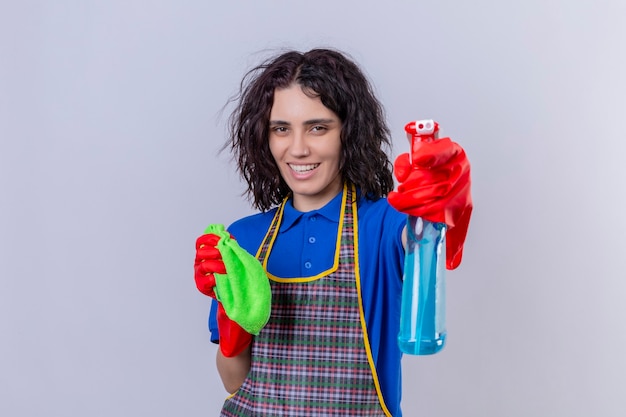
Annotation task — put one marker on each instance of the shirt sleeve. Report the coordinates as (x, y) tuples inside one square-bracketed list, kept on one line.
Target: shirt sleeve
[(215, 334)]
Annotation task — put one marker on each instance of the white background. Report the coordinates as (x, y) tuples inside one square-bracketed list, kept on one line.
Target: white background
[(110, 125)]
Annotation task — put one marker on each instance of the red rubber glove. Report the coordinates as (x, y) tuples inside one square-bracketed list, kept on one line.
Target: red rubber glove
[(208, 261), (233, 339), (437, 188)]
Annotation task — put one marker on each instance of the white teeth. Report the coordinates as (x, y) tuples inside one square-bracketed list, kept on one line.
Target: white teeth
[(303, 168)]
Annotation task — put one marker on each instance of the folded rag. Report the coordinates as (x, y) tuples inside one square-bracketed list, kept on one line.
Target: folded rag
[(244, 290)]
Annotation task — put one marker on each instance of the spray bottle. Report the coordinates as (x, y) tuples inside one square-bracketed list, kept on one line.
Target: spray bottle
[(422, 317)]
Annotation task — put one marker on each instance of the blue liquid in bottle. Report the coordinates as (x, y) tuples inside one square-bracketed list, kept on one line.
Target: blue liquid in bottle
[(422, 318)]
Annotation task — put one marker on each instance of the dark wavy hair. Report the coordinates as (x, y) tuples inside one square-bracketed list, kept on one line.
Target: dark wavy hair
[(344, 89)]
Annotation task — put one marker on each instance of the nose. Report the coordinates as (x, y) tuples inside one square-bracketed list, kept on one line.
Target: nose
[(299, 145)]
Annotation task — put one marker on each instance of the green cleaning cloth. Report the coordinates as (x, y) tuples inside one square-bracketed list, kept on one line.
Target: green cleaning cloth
[(244, 290)]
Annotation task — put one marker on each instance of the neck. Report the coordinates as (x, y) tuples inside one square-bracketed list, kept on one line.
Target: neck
[(305, 203)]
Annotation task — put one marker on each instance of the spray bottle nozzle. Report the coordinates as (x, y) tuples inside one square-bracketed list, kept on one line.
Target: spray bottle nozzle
[(423, 130), (426, 130)]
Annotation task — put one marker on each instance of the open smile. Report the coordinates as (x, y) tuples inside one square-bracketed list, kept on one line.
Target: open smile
[(303, 168)]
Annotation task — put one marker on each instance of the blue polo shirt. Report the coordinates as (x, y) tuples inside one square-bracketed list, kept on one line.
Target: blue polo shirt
[(305, 246)]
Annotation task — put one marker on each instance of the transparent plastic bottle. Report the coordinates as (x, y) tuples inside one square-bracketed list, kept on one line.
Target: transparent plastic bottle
[(422, 317)]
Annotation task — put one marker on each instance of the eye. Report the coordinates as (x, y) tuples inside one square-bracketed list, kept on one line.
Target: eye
[(319, 129), (279, 130)]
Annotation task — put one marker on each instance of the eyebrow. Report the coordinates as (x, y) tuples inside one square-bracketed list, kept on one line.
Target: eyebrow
[(306, 123)]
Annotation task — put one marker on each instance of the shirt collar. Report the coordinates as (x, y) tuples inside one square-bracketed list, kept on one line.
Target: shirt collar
[(330, 211)]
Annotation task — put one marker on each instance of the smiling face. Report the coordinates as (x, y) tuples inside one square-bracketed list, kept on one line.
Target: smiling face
[(304, 138)]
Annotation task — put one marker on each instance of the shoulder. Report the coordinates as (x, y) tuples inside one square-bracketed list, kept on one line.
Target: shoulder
[(379, 211), (250, 230), (380, 225)]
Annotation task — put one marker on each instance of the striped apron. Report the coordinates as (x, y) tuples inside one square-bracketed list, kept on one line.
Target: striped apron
[(313, 356)]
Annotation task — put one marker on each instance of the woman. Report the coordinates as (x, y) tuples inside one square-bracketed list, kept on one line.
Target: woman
[(309, 138)]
